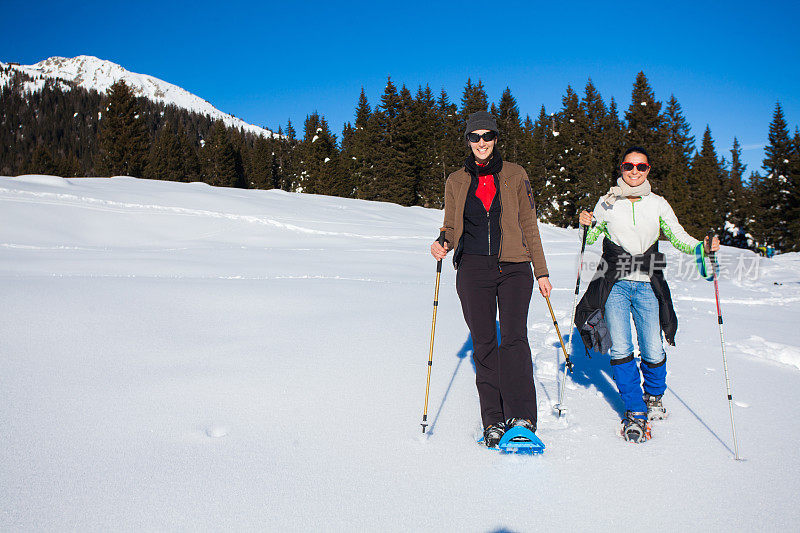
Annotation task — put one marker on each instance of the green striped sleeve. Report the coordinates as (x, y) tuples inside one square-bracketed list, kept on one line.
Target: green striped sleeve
[(596, 231), (677, 243)]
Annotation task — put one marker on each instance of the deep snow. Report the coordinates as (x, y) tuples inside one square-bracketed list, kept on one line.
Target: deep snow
[(176, 356)]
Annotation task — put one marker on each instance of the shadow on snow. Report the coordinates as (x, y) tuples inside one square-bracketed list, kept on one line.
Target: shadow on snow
[(596, 371), (588, 371), (591, 368)]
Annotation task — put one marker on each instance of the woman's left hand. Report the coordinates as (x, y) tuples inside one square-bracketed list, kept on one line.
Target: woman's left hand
[(544, 286), (714, 244)]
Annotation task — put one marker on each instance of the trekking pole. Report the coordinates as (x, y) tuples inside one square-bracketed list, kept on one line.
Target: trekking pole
[(424, 424), (560, 407), (713, 257)]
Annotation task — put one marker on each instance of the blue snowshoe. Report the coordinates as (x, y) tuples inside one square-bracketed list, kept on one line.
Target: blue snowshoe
[(520, 437), (516, 436)]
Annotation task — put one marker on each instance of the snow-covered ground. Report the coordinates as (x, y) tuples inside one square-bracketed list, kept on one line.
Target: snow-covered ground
[(176, 356)]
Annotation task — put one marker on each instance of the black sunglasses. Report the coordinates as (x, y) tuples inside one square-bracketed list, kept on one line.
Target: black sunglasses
[(488, 136), (641, 167)]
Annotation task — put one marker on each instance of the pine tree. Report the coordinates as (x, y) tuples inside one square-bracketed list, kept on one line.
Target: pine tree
[(331, 180), (474, 99), (735, 233), (408, 150), (319, 159), (124, 141), (189, 156), (793, 186), (527, 156), (525, 150), (452, 148), (597, 155), (707, 205), (262, 164), (512, 138), (773, 190), (356, 150), (241, 156), (41, 163), (565, 192), (69, 166), (646, 126), (165, 161), (276, 172), (383, 127), (390, 179), (544, 167), (613, 139), (219, 158), (287, 158), (348, 159), (676, 160), (425, 148)]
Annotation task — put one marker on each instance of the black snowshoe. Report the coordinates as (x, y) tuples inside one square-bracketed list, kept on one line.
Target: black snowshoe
[(635, 427), (492, 434), (655, 408)]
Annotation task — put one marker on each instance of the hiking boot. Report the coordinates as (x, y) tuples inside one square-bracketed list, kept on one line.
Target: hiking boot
[(520, 422), (492, 434), (655, 408), (635, 427)]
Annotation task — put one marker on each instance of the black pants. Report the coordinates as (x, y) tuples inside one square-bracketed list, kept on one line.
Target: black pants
[(504, 374)]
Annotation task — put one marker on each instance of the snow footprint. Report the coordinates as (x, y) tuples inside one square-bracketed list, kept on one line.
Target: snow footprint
[(546, 368), (216, 431)]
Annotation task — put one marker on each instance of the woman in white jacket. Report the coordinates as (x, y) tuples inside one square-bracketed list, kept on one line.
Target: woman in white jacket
[(631, 217)]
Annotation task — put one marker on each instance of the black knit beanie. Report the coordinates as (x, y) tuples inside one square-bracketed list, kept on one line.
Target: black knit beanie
[(481, 120)]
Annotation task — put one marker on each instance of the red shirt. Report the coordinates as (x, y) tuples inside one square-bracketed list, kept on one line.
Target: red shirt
[(486, 189)]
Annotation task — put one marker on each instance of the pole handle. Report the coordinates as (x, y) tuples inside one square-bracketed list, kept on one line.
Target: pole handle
[(440, 240), (583, 239), (710, 236)]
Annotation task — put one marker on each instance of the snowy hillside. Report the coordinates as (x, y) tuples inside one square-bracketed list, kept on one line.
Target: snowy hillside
[(176, 356), (92, 73)]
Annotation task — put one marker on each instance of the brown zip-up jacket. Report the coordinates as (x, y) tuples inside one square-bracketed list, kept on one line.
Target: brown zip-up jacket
[(519, 230)]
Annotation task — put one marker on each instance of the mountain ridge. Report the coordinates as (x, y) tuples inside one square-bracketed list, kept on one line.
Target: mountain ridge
[(90, 72)]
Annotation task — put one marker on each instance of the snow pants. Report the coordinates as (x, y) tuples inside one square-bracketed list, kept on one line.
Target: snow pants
[(504, 372), (635, 298)]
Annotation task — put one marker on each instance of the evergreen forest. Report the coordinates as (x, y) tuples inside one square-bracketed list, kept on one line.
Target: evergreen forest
[(402, 147)]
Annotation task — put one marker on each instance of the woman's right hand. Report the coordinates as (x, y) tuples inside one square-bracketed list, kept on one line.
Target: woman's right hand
[(438, 251), (586, 218)]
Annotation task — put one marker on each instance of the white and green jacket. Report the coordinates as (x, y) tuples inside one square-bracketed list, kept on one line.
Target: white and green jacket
[(636, 225)]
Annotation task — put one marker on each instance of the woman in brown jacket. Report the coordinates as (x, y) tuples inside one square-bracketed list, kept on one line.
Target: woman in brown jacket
[(490, 220)]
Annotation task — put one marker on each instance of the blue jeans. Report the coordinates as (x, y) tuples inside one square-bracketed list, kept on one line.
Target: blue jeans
[(635, 298)]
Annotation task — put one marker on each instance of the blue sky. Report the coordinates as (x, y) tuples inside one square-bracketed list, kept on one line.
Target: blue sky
[(268, 62)]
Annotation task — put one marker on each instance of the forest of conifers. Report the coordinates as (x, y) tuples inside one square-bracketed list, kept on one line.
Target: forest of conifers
[(401, 149)]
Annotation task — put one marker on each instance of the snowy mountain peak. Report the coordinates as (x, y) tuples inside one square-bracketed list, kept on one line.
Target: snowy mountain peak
[(91, 72)]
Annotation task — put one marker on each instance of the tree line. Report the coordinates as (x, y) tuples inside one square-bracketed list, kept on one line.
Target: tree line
[(402, 148)]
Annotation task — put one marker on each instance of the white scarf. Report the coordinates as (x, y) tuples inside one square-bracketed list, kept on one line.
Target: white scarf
[(624, 190)]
